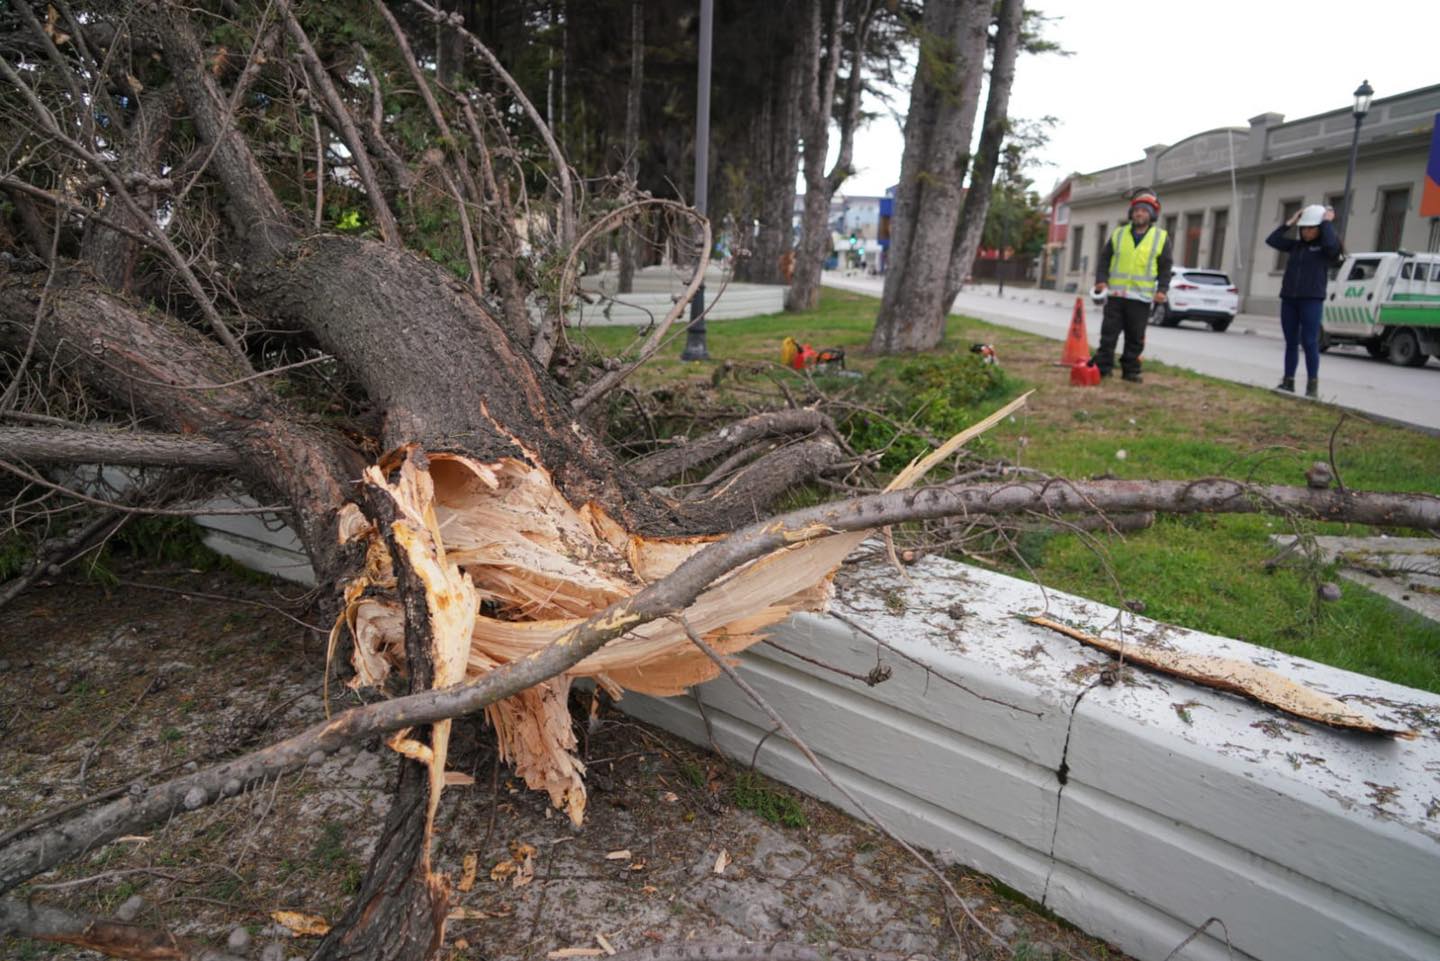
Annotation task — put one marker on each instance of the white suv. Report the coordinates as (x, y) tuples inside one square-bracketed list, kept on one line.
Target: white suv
[(1196, 294)]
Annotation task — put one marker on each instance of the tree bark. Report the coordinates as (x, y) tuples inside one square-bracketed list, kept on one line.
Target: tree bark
[(138, 448), (154, 363), (773, 162), (932, 168), (672, 461), (629, 237), (804, 291), (820, 53), (993, 131)]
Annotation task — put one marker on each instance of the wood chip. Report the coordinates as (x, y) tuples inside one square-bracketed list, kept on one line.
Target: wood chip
[(600, 940), (669, 797), (722, 862), (302, 925), (468, 865), (621, 855), (575, 953), (473, 914)]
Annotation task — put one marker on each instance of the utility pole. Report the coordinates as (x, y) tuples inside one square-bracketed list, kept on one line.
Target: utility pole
[(695, 333)]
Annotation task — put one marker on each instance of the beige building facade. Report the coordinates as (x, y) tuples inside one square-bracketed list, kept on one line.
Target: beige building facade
[(1223, 191)]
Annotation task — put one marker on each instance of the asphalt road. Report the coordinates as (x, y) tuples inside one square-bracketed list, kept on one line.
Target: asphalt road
[(1250, 352)]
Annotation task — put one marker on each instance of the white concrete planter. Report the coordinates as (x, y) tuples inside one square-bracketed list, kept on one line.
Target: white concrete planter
[(1176, 804)]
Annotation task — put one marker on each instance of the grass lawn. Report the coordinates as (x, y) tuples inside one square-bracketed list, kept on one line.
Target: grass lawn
[(1201, 572)]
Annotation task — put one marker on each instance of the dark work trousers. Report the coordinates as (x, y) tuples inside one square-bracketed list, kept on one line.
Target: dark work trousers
[(1300, 323), (1122, 315)]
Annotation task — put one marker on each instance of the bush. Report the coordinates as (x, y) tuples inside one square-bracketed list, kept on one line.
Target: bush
[(937, 394)]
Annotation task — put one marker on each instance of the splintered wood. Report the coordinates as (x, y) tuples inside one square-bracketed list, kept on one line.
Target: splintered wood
[(509, 566), (1238, 677)]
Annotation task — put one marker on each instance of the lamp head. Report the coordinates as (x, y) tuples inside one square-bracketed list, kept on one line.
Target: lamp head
[(1363, 93)]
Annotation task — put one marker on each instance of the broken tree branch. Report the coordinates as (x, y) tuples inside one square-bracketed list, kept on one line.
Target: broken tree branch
[(664, 464), (669, 596), (127, 447), (114, 938)]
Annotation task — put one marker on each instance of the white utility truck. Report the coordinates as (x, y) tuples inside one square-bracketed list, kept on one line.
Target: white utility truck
[(1387, 302)]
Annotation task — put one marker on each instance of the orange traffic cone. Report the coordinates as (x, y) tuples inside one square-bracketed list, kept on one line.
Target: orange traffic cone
[(1077, 346)]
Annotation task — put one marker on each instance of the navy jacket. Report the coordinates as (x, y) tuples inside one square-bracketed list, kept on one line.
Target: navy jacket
[(1307, 270)]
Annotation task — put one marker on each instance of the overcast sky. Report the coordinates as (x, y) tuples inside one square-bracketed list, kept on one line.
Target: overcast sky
[(1142, 74)]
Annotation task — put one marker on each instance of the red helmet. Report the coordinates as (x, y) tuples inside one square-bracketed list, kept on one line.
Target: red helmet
[(1145, 197)]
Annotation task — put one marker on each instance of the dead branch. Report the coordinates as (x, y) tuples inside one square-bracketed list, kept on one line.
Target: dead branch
[(399, 171), (52, 557), (74, 206), (384, 219), (606, 383), (673, 461), (502, 264), (124, 509), (402, 44), (749, 951), (114, 938), (566, 213), (117, 186), (128, 447)]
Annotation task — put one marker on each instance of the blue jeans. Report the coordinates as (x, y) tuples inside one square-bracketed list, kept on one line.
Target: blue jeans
[(1300, 322)]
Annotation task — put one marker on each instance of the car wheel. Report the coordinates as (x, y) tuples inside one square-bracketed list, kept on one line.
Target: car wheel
[(1221, 325), (1376, 348), (1405, 349), (1165, 317)]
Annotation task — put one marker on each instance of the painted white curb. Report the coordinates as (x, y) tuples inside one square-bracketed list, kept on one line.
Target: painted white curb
[(1178, 804)]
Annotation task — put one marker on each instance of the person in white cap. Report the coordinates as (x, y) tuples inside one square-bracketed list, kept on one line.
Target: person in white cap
[(1302, 291), (1134, 275)]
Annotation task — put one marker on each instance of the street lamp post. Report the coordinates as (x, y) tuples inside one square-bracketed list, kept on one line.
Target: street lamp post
[(1363, 93), (695, 334)]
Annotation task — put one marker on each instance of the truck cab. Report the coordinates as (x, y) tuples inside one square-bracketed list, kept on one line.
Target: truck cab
[(1388, 302)]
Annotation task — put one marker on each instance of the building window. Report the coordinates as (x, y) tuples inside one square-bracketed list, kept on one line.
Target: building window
[(1102, 234), (1077, 244), (1194, 224), (1434, 245), (1217, 239), (1393, 206), (1171, 220), (1287, 210), (1336, 202)]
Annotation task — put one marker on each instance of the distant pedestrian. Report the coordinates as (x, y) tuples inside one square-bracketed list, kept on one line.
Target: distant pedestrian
[(1302, 291), (1134, 270)]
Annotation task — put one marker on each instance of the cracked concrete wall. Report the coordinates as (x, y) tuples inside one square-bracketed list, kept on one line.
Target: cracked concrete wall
[(1137, 810)]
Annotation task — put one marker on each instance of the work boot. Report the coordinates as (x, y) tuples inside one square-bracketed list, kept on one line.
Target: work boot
[(1133, 377), (1312, 388), (1286, 384)]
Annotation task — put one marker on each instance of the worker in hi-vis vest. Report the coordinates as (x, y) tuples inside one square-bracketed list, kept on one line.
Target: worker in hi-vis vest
[(1133, 276)]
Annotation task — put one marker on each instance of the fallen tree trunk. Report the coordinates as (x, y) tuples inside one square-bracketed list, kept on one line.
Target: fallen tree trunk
[(669, 596)]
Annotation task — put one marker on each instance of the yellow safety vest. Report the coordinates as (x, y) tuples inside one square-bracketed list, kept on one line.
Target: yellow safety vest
[(1133, 272)]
